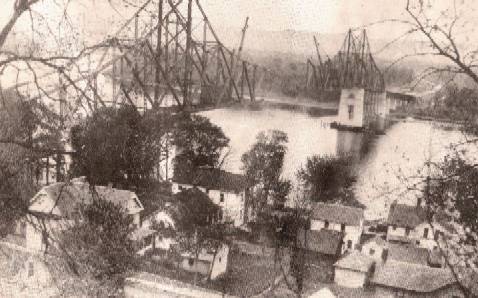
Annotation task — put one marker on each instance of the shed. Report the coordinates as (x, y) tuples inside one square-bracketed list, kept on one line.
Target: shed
[(327, 242)]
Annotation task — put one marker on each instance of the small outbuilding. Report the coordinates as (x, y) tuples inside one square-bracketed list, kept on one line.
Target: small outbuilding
[(321, 243), (354, 270), (207, 263)]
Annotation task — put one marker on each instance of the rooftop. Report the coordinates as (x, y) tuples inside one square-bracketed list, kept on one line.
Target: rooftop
[(324, 241), (355, 261), (337, 213), (408, 254), (376, 239), (402, 215), (61, 199), (171, 286), (216, 179), (323, 293), (412, 277)]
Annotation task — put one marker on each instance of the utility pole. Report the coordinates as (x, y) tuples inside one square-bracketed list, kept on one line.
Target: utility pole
[(187, 57), (136, 35), (166, 47), (158, 52), (113, 91)]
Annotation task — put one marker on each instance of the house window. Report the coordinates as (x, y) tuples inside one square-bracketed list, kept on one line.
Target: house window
[(351, 112), (221, 198), (372, 251), (425, 233), (349, 244), (407, 231), (219, 259), (207, 190), (180, 187), (437, 235), (326, 224), (191, 261), (394, 227), (342, 227)]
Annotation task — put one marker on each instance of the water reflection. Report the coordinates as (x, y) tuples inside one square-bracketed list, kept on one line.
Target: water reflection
[(402, 152), (307, 135)]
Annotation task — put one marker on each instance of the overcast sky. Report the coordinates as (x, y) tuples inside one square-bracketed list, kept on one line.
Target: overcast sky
[(325, 16), (322, 16)]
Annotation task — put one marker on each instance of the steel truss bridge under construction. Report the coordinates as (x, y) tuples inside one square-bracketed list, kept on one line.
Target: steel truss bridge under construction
[(163, 64), (352, 67), (156, 60)]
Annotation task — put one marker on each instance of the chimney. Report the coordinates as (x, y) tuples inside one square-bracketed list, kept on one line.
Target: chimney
[(419, 202), (392, 206), (384, 255)]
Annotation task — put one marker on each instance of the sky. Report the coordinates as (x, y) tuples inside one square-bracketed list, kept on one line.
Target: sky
[(320, 16), (324, 16)]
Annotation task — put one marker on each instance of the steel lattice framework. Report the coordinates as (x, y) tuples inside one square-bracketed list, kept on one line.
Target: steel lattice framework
[(154, 57), (352, 67)]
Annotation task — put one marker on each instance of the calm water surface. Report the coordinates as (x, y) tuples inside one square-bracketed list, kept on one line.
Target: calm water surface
[(401, 152)]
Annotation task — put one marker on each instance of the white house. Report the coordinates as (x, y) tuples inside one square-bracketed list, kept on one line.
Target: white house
[(348, 220), (409, 224), (56, 203), (228, 190), (354, 270), (207, 262)]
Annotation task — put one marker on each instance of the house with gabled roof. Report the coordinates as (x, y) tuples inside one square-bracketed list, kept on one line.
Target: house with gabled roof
[(228, 190), (354, 270), (409, 224), (55, 204), (346, 219), (400, 279), (408, 253)]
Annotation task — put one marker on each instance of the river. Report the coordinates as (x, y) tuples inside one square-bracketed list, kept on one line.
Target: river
[(401, 152)]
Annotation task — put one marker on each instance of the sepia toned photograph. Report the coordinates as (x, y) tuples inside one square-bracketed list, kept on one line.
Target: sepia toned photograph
[(239, 148)]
